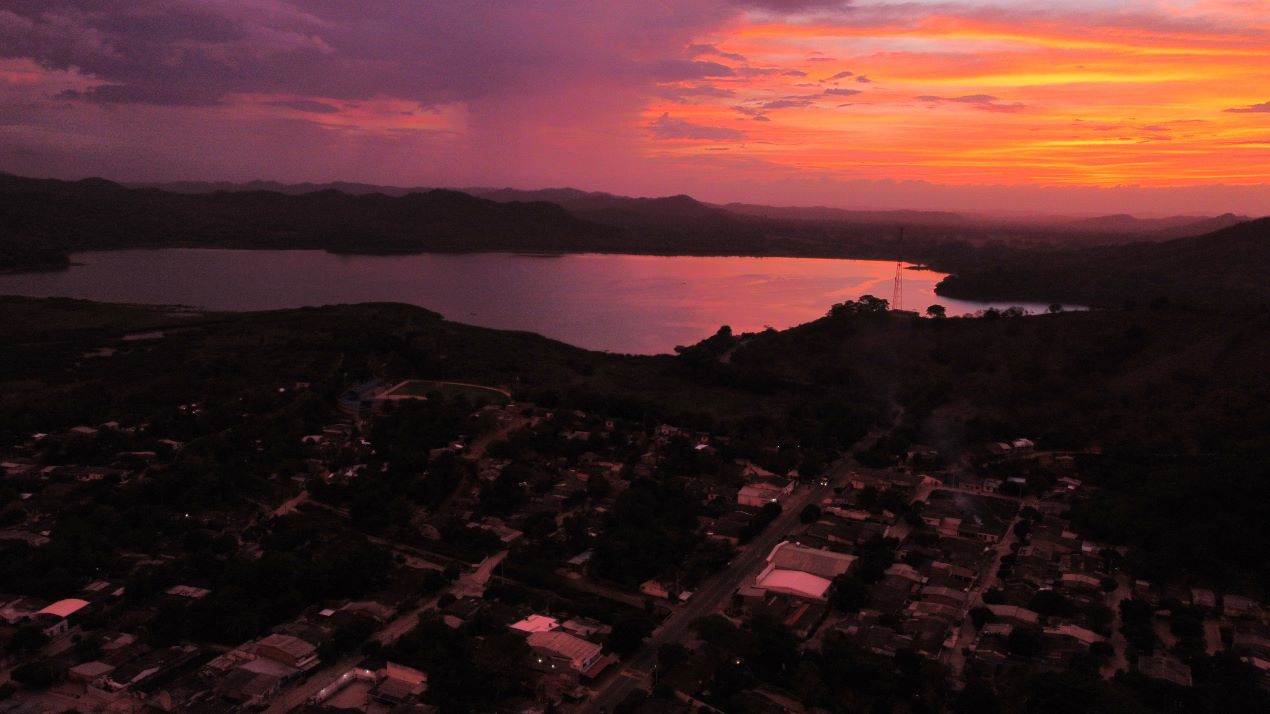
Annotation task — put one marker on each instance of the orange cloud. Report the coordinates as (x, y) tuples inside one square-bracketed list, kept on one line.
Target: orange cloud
[(1076, 98)]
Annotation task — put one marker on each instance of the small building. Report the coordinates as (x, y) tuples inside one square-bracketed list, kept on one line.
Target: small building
[(793, 582), (399, 685), (802, 572), (89, 672), (1075, 632), (552, 650), (769, 490), (1165, 669), (1080, 580), (288, 650), (1014, 614), (655, 588), (55, 619), (585, 627), (1238, 606), (824, 563), (945, 596), (13, 611), (247, 688), (536, 623), (188, 591), (1203, 597)]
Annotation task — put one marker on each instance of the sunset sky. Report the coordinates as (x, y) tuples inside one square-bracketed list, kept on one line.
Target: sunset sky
[(1146, 106)]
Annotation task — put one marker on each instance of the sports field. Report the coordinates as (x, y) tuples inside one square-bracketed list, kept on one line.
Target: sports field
[(416, 388)]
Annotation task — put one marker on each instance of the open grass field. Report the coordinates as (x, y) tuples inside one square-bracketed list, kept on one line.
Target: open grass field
[(424, 387)]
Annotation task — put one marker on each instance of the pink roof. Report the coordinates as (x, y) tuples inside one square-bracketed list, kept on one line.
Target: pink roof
[(536, 623), (795, 582), (64, 608)]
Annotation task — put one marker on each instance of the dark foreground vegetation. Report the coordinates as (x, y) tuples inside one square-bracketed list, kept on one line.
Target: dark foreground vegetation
[(1104, 262), (218, 422), (1167, 404)]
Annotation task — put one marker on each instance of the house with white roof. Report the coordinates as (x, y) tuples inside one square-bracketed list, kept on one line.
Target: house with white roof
[(553, 650), (802, 572)]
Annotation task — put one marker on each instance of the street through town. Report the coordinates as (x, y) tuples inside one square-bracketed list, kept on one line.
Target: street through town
[(712, 595)]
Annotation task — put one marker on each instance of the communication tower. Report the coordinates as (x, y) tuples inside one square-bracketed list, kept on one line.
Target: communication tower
[(897, 292)]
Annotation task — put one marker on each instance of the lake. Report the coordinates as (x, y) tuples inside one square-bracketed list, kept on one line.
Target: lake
[(621, 303)]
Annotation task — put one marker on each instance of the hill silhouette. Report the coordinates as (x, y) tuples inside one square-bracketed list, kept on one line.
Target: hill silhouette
[(98, 214), (1228, 266), (1080, 263)]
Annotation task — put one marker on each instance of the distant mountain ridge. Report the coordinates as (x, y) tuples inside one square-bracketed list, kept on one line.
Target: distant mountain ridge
[(613, 208), (1077, 262), (1170, 227), (824, 213), (98, 214), (290, 189)]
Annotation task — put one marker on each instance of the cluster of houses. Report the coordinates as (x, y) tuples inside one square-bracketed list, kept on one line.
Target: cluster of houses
[(980, 572), (986, 573)]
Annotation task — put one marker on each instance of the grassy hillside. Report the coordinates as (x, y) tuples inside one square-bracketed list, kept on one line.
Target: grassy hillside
[(1225, 267), (1157, 380)]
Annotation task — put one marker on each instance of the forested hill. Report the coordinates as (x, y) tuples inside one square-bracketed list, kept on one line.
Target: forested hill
[(1226, 268), (95, 214), (98, 214)]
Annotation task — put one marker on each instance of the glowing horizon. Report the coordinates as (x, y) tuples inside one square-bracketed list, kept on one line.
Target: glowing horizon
[(1153, 107)]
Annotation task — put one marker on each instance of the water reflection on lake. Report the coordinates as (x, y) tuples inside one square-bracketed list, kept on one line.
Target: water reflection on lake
[(622, 303)]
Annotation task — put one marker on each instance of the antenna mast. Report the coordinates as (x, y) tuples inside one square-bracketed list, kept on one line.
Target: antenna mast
[(897, 293)]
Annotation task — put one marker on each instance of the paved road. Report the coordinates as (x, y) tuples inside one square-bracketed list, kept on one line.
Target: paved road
[(473, 584), (468, 583), (1123, 591), (988, 578), (707, 598), (291, 504), (477, 448), (297, 696), (330, 674)]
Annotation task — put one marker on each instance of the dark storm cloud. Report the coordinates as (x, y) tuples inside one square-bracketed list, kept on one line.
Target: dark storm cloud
[(308, 105), (791, 6), (679, 94), (986, 102), (786, 103), (675, 70), (706, 50), (1263, 108), (668, 127), (168, 52)]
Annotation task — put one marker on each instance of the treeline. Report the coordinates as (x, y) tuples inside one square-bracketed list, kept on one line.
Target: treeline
[(19, 253)]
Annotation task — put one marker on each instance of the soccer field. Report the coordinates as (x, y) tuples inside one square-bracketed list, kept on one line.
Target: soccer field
[(424, 387)]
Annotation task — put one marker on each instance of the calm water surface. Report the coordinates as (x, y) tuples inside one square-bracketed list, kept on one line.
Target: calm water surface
[(622, 303)]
